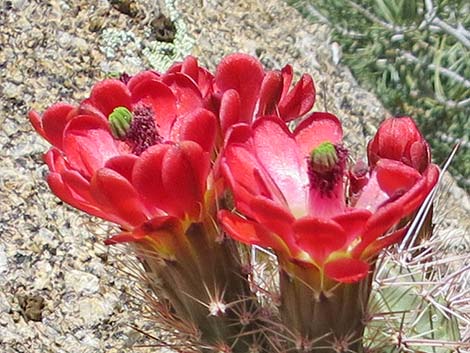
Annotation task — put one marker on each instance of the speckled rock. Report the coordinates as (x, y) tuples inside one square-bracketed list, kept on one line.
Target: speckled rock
[(53, 51)]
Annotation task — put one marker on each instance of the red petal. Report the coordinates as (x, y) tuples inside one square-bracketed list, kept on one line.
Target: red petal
[(79, 186), (287, 75), (109, 94), (229, 109), (299, 100), (63, 192), (394, 176), (244, 74), (188, 96), (199, 126), (353, 222), (420, 155), (241, 229), (270, 93), (88, 144), (347, 270), (114, 192), (122, 164), (190, 67), (141, 77), (55, 161), (316, 129), (278, 152), (273, 216), (319, 237), (147, 177), (241, 171), (124, 237), (162, 100), (249, 232), (53, 122), (239, 134), (387, 216), (239, 165), (173, 178)]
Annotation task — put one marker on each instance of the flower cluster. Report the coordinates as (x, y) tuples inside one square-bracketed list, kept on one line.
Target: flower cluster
[(138, 150), (295, 196), (146, 151), (183, 158)]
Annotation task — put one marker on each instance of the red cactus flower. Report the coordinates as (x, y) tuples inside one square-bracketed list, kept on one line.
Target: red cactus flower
[(399, 139), (290, 190), (137, 149), (246, 91)]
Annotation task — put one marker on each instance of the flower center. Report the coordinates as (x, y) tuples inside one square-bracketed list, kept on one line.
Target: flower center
[(137, 128), (326, 167)]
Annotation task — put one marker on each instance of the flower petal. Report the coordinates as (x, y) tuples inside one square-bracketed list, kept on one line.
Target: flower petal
[(274, 217), (64, 192), (109, 94), (270, 93), (249, 232), (383, 242), (88, 144), (299, 100), (162, 100), (157, 226), (390, 214), (229, 109), (393, 176), (318, 128), (244, 74), (52, 124), (319, 237), (241, 167), (353, 222), (173, 177), (188, 96), (347, 270), (199, 126), (287, 76), (278, 152), (123, 164), (115, 194), (141, 77)]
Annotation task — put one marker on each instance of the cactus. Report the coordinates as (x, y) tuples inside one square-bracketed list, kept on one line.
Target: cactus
[(195, 214)]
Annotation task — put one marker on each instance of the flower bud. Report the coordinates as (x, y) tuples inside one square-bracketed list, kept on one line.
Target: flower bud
[(120, 121), (399, 139), (358, 176)]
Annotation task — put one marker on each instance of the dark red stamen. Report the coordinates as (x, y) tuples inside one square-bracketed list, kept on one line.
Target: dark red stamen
[(325, 181), (125, 78), (143, 131)]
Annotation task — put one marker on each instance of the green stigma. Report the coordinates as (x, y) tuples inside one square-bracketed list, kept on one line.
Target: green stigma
[(324, 157), (120, 121)]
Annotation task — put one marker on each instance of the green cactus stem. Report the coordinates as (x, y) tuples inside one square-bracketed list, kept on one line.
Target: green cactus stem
[(323, 317), (202, 279)]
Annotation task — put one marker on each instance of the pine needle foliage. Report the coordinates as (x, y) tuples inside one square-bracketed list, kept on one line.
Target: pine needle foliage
[(415, 55)]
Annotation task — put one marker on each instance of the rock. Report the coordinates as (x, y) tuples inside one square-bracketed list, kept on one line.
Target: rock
[(5, 306), (32, 306), (3, 260), (94, 310), (81, 282), (43, 273)]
